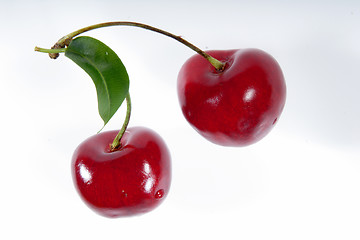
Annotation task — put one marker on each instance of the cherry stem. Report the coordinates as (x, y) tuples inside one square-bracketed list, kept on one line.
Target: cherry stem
[(64, 41), (116, 143), (45, 50)]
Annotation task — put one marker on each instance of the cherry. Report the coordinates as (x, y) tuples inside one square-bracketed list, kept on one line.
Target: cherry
[(131, 180), (236, 105)]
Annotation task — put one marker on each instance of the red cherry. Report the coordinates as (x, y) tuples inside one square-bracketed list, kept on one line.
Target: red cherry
[(131, 180), (237, 106)]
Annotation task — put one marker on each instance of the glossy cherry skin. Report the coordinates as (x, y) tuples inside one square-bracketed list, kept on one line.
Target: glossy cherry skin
[(129, 181), (237, 106)]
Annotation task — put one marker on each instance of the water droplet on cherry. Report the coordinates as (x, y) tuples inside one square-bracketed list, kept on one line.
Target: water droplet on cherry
[(159, 194), (274, 121)]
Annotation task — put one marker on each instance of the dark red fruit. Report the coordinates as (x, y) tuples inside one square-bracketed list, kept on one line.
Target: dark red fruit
[(237, 106), (131, 180)]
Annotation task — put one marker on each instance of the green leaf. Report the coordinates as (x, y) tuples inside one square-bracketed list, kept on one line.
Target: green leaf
[(106, 70)]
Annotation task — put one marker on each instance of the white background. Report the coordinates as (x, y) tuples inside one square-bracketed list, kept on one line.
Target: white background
[(301, 182)]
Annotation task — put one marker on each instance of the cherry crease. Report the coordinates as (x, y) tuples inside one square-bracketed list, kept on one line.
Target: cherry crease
[(132, 180), (238, 105)]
